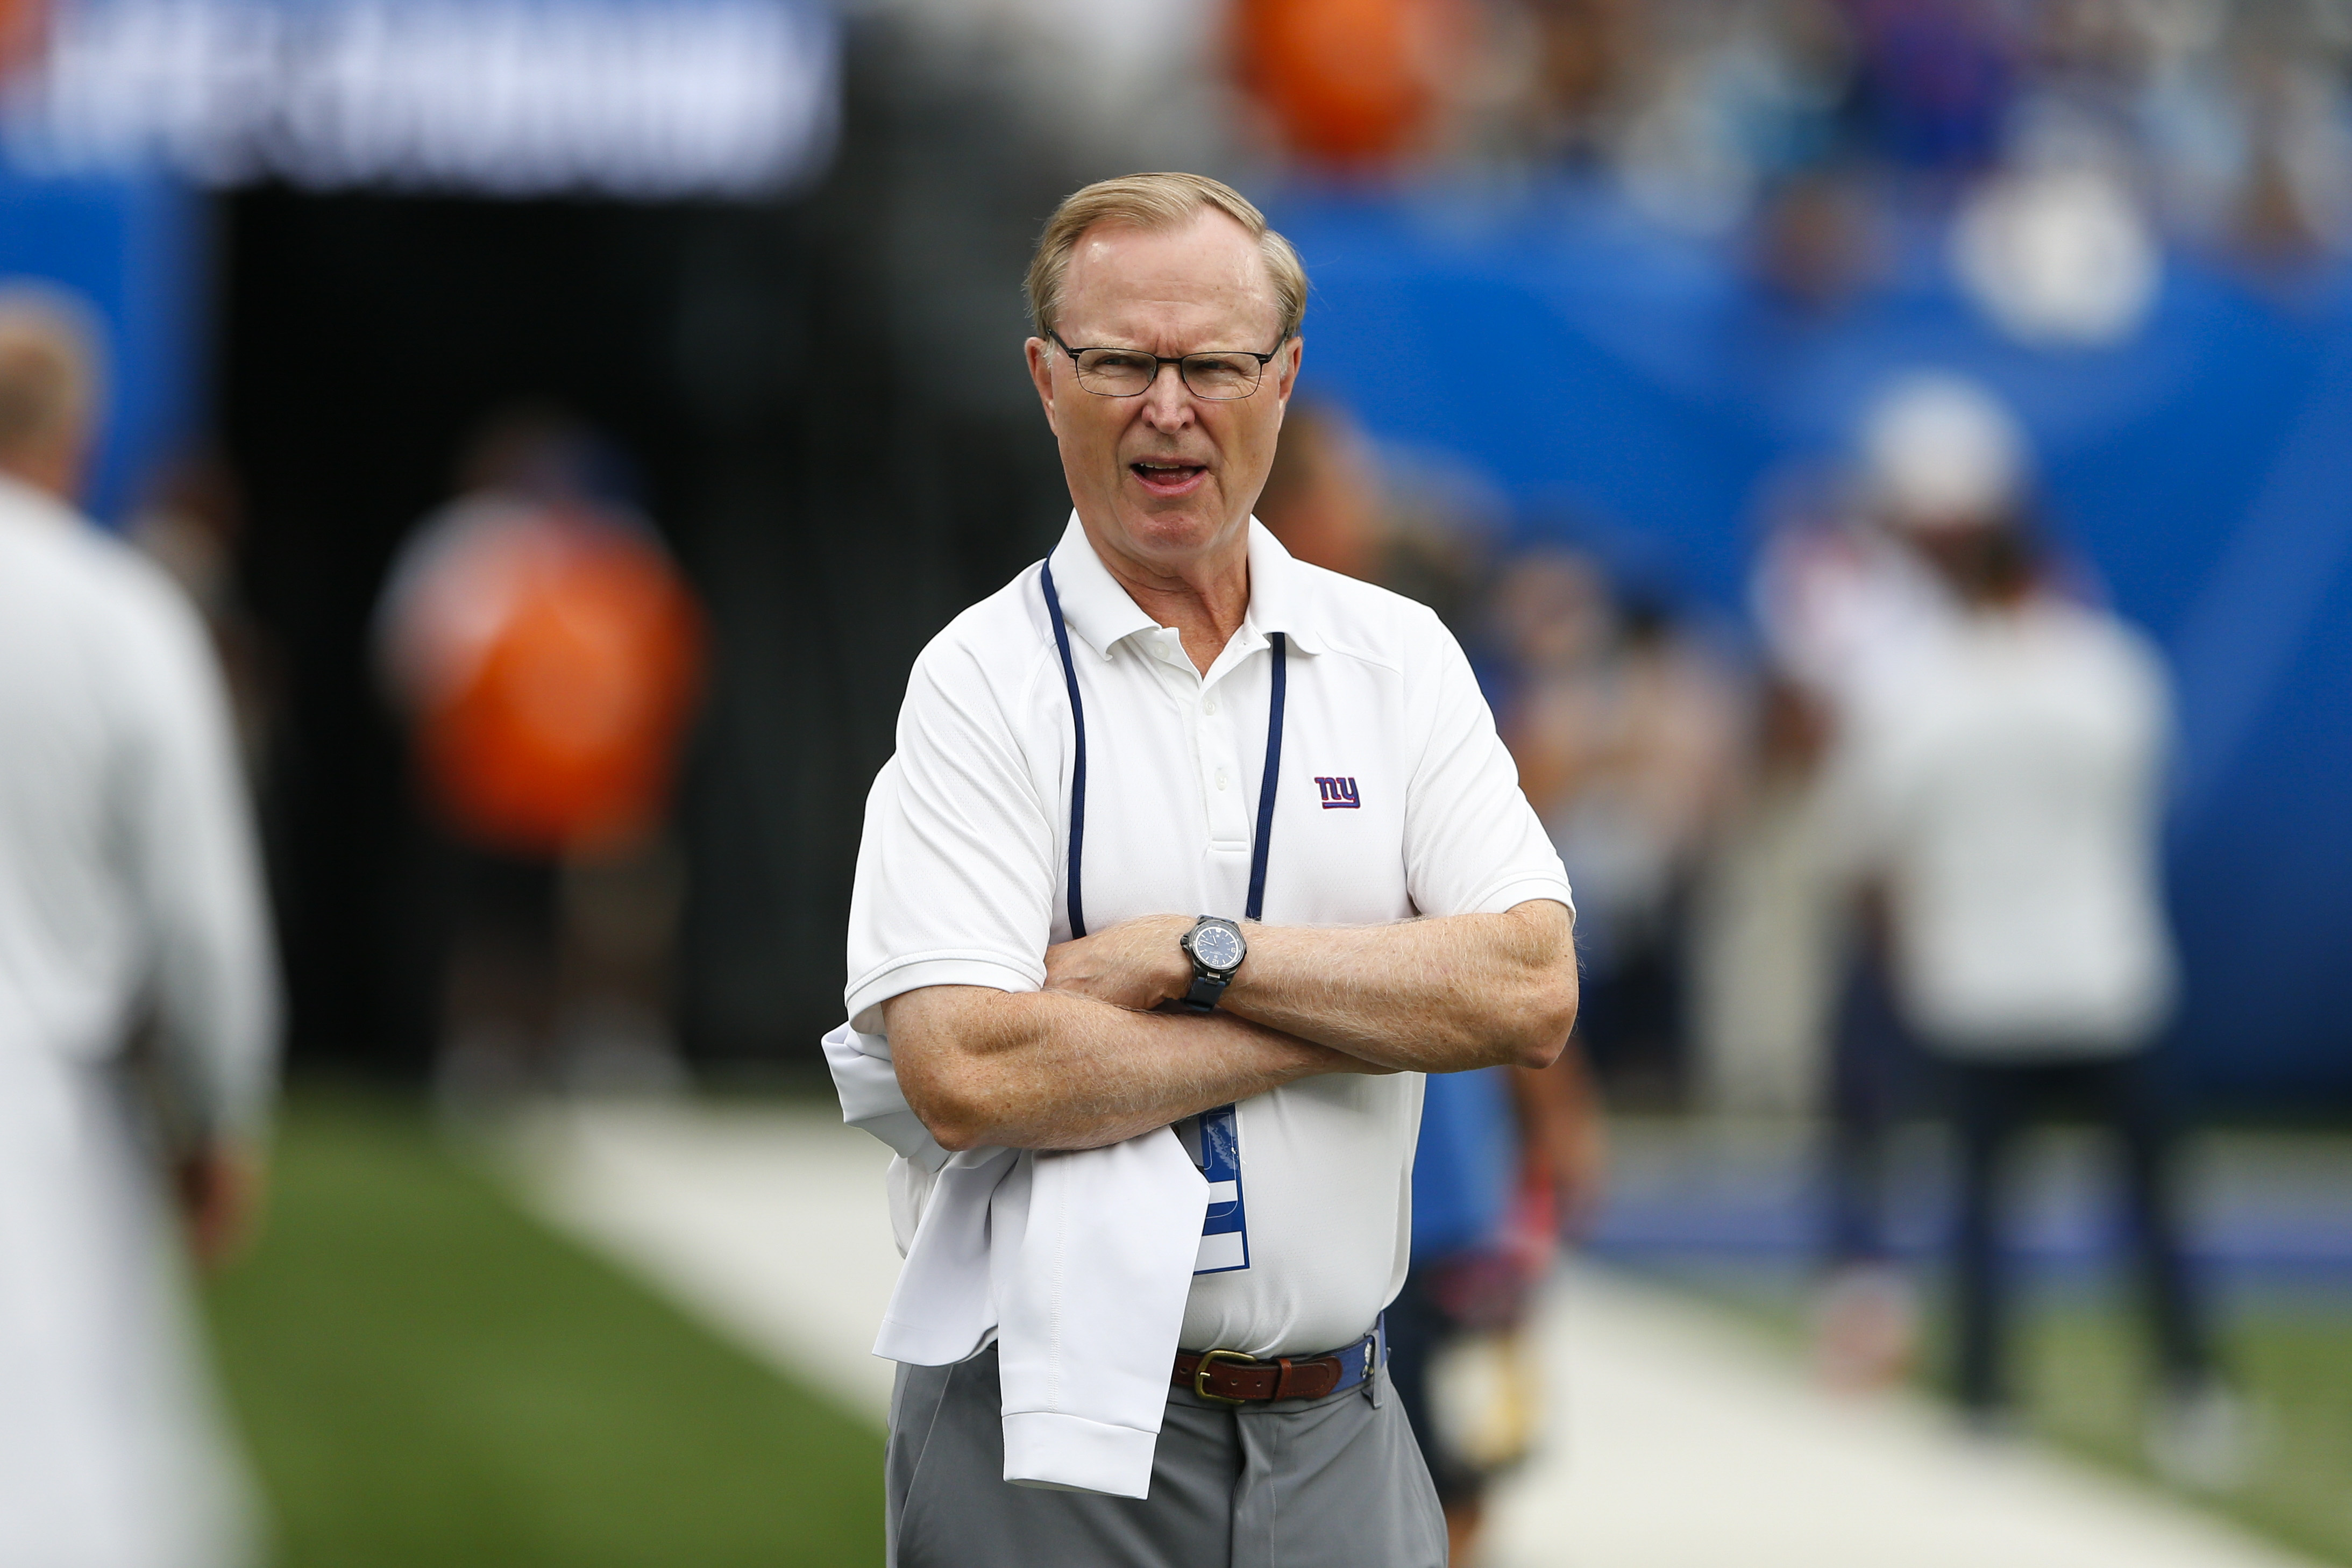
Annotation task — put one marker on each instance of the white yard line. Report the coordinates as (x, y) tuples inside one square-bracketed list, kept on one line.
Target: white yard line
[(770, 1225), (1680, 1440)]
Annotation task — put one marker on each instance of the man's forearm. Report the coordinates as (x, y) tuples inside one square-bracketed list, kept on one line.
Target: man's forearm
[(1047, 1070), (1433, 996)]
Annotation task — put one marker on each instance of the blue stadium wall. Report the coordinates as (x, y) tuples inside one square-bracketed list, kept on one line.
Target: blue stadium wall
[(128, 246)]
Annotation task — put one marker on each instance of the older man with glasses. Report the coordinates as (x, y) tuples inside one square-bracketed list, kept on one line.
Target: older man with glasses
[(1196, 857)]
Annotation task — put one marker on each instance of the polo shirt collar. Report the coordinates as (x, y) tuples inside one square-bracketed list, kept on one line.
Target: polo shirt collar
[(1279, 600), (1100, 614)]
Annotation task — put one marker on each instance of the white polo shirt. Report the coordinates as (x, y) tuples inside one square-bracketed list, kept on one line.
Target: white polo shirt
[(1396, 799)]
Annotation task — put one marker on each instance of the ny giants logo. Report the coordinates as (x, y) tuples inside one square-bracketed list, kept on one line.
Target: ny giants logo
[(1338, 794)]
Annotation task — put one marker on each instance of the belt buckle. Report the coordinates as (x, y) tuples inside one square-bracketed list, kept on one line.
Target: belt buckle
[(1209, 1358)]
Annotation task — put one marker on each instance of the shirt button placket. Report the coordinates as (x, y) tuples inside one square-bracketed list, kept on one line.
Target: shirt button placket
[(1220, 770)]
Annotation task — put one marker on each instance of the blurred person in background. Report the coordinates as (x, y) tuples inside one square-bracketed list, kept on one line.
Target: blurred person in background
[(1999, 788), (1764, 928), (1509, 1158), (1840, 595), (138, 1006), (191, 526), (1626, 730), (1335, 500), (547, 653), (1350, 84)]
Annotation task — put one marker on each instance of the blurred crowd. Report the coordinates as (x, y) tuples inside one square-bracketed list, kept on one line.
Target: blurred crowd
[(2212, 120), (2050, 151), (2068, 135)]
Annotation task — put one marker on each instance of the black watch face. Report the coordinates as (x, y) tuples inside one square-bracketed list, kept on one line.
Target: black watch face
[(1216, 947)]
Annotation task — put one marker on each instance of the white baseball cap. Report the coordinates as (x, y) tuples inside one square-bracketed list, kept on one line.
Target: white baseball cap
[(1941, 451)]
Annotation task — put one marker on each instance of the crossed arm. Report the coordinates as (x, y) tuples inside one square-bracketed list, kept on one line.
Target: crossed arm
[(1086, 1062)]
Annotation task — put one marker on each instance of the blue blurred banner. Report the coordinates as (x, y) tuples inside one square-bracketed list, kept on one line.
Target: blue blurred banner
[(129, 247), (1639, 393), (652, 99)]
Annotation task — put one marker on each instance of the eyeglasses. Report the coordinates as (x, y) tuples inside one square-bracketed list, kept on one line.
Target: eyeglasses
[(1219, 377)]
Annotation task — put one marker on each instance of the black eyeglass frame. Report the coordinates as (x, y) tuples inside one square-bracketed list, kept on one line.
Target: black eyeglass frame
[(1176, 359)]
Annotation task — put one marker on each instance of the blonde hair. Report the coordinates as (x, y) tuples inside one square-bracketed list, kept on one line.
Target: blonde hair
[(49, 375), (1153, 202)]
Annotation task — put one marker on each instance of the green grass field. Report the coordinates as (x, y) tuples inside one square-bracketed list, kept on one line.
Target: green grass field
[(2084, 1366), (424, 1375), (2082, 1374)]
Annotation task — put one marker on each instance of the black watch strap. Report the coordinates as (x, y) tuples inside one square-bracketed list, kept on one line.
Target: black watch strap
[(1203, 995)]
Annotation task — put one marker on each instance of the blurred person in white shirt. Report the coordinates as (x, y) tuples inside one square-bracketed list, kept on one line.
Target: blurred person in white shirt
[(1999, 784), (1840, 595), (130, 910)]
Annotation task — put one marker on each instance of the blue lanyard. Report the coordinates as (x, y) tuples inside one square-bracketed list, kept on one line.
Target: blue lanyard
[(1264, 839), (1216, 1133)]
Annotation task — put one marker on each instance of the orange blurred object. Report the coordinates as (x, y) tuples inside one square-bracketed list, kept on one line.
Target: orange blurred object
[(1350, 82), (24, 32), (551, 657)]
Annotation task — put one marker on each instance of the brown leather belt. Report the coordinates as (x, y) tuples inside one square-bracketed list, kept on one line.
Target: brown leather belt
[(1239, 1379)]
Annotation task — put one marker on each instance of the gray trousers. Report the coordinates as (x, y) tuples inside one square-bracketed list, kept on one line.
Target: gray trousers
[(1335, 1482)]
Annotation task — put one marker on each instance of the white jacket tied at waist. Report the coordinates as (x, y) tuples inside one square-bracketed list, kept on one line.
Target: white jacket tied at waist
[(1079, 1262)]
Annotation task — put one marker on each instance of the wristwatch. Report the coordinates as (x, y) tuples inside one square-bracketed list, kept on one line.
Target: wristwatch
[(1216, 949)]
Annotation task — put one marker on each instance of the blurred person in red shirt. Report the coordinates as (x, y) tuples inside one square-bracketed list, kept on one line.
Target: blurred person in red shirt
[(546, 654), (1348, 83), (2001, 791), (138, 1005)]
